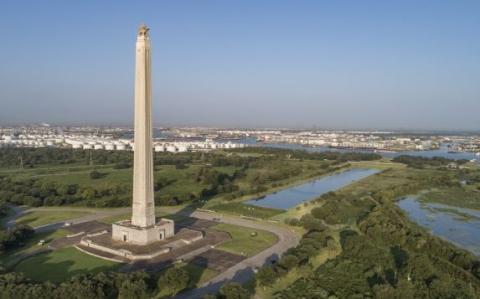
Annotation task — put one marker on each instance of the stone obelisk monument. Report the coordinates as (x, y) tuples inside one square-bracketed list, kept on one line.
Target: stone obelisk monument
[(143, 209), (143, 229)]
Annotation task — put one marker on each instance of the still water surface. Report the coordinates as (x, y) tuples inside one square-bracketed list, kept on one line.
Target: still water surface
[(457, 225), (295, 195), (443, 151)]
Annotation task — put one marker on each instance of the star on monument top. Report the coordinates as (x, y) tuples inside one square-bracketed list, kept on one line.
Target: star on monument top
[(143, 30)]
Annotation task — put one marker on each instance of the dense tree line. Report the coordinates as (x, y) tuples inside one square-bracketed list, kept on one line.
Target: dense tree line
[(368, 269), (231, 160), (36, 192), (102, 285), (14, 237), (311, 244), (217, 182), (109, 285), (32, 157), (422, 162), (305, 155)]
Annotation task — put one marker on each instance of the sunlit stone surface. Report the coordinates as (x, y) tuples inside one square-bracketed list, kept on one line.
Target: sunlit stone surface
[(143, 228)]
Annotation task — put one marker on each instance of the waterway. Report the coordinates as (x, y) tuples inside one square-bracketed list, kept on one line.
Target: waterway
[(295, 195), (457, 225), (443, 151)]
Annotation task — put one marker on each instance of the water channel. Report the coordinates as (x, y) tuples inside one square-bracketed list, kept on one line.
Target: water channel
[(443, 151), (295, 195)]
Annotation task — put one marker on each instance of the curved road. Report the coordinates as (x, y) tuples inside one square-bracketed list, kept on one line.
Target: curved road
[(244, 271), (241, 272)]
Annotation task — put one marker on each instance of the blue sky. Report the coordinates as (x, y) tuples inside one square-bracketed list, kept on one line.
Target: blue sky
[(329, 64)]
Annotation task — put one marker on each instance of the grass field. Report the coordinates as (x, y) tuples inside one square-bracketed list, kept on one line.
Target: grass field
[(378, 164), (115, 218), (239, 208), (244, 242), (458, 197), (38, 218), (60, 265)]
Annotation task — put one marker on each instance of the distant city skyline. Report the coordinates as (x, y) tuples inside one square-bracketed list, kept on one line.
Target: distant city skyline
[(289, 64)]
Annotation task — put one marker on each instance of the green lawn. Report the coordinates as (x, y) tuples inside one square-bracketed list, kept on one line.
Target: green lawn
[(239, 208), (115, 218), (243, 242), (38, 218), (60, 265), (378, 164)]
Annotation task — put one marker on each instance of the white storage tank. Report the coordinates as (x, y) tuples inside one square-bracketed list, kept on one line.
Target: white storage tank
[(109, 147), (171, 148), (159, 148), (182, 148)]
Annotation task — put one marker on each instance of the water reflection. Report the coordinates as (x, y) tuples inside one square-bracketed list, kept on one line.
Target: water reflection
[(293, 196), (457, 225)]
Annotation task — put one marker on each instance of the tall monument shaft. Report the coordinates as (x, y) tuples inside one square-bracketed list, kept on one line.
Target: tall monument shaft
[(142, 229), (143, 209)]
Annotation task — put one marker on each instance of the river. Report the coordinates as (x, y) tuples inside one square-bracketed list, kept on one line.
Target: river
[(443, 151)]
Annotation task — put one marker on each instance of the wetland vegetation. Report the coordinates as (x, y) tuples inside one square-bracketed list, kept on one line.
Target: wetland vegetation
[(381, 253)]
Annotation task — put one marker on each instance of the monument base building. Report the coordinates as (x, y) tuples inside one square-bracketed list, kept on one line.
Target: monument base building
[(126, 243), (124, 231)]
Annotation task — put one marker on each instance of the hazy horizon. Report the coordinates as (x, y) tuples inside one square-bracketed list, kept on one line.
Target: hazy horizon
[(290, 64)]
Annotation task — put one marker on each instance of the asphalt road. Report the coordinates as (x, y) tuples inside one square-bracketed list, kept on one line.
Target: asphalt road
[(241, 272), (244, 271)]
